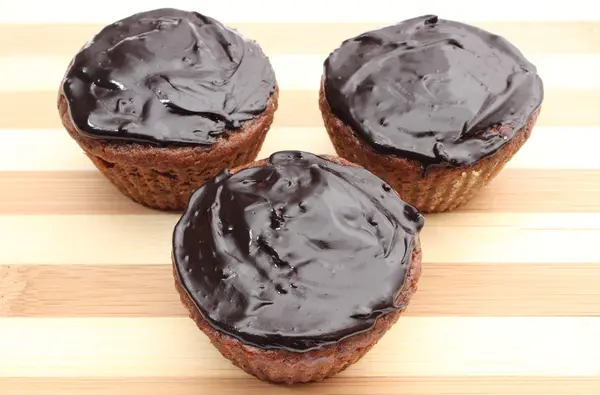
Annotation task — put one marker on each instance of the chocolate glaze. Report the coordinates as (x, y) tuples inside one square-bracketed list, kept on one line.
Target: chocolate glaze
[(432, 90), (295, 254), (167, 77)]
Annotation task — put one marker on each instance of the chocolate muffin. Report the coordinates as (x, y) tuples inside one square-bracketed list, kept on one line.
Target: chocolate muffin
[(295, 266), (436, 108), (164, 100)]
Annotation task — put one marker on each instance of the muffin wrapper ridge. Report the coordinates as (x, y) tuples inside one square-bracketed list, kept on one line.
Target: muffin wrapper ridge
[(165, 177), (286, 367), (438, 189)]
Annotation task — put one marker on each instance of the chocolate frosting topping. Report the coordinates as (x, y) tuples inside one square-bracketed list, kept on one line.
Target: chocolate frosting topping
[(432, 90), (297, 253), (167, 77)]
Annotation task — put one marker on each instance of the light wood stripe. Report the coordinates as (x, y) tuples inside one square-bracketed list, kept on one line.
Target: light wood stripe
[(432, 385), (88, 192), (296, 109), (548, 221), (75, 240), (294, 72), (310, 11), (529, 37), (54, 150), (84, 239), (415, 346), (63, 192), (148, 291)]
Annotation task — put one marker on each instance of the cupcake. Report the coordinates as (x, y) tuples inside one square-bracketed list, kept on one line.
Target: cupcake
[(436, 108), (295, 266), (164, 100)]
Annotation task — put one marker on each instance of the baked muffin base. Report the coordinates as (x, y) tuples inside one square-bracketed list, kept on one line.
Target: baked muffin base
[(287, 367), (439, 188), (165, 177)]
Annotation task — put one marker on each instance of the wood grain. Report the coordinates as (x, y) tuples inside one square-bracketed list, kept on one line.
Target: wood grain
[(81, 192), (55, 151), (563, 37), (146, 239), (508, 303), (293, 71), (298, 108), (478, 289), (433, 385), (415, 346)]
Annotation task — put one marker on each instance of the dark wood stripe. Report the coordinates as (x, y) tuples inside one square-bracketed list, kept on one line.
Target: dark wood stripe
[(340, 385), (78, 192), (37, 110), (88, 192), (487, 289)]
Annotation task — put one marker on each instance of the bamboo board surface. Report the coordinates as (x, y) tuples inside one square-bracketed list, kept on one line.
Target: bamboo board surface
[(509, 299)]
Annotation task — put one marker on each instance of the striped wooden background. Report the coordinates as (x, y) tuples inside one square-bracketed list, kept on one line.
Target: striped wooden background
[(509, 301)]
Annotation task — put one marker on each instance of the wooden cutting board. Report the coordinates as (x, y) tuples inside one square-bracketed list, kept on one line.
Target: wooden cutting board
[(510, 294)]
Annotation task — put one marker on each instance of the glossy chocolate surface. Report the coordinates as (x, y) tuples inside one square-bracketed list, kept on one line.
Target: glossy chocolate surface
[(167, 77), (432, 90), (297, 253)]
